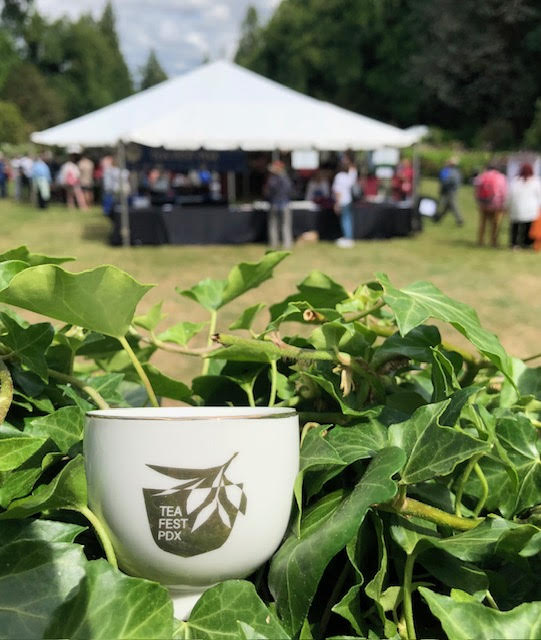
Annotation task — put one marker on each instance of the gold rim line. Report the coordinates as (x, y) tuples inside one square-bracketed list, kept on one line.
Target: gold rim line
[(259, 416)]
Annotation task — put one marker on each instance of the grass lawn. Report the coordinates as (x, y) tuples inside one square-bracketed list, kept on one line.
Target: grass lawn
[(503, 286)]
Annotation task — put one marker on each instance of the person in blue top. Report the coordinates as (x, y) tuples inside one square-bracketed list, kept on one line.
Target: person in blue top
[(41, 182), (3, 176), (450, 180)]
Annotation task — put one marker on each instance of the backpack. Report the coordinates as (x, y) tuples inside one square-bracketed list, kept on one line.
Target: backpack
[(484, 191)]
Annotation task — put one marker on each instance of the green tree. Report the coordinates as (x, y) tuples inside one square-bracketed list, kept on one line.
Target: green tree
[(14, 14), (250, 31), (8, 55), (13, 128), (38, 103), (532, 138), (107, 26), (152, 72)]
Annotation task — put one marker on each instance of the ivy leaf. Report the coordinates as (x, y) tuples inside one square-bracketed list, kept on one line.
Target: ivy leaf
[(247, 317), (35, 578), (297, 567), (444, 380), (433, 450), (33, 259), (108, 386), (44, 530), (14, 451), (166, 386), (109, 604), (416, 344), (374, 589), (318, 290), (101, 299), (466, 620), (181, 333), (233, 603), (519, 438), (9, 269), (214, 294), (353, 403), (66, 491), (349, 607), (29, 343), (65, 427), (151, 319), (415, 304)]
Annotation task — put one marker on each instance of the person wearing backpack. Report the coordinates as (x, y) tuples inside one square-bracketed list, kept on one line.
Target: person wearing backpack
[(450, 180), (490, 188)]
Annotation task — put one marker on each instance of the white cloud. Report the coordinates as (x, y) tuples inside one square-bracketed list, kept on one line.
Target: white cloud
[(181, 31)]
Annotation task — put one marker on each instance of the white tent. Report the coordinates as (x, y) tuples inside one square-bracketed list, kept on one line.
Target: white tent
[(223, 106)]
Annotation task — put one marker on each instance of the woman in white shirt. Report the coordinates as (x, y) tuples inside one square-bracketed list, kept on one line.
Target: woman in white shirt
[(524, 205)]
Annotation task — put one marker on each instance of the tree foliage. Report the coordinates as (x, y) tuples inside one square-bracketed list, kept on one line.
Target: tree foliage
[(152, 71), (461, 66), (12, 124)]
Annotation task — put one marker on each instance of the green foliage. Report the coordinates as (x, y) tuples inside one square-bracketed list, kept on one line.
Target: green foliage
[(12, 125), (151, 72), (417, 504), (532, 138), (40, 105), (408, 61)]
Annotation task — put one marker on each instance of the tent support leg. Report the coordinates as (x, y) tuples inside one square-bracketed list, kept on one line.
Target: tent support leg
[(124, 209), (231, 187)]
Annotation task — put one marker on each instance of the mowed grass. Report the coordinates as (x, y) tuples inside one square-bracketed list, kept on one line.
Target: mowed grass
[(503, 286)]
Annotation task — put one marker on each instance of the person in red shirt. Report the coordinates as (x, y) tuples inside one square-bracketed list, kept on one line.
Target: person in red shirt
[(490, 194)]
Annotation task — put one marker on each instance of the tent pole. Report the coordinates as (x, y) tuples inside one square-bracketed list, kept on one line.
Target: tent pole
[(124, 210), (231, 187)]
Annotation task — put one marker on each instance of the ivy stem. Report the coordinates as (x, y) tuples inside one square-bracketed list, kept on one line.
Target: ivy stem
[(407, 593), (537, 355), (74, 381), (6, 391), (462, 483), (250, 393), (273, 351), (274, 380), (173, 348), (212, 331), (491, 602), (367, 312), (101, 533), (484, 488), (140, 371), (411, 507)]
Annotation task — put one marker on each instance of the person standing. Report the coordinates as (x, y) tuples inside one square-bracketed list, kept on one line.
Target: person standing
[(450, 181), (490, 193), (3, 176), (278, 192), (41, 182), (26, 163), (524, 204), (342, 187), (86, 170), (70, 179)]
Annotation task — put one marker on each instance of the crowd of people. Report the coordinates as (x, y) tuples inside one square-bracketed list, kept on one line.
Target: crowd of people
[(334, 190), (495, 195)]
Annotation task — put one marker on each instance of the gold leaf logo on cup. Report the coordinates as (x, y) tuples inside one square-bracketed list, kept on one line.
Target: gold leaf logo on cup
[(197, 515)]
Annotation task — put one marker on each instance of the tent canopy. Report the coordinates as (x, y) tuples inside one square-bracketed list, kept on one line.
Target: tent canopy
[(222, 106)]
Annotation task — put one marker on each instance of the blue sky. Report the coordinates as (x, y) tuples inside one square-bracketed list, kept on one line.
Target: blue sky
[(182, 32)]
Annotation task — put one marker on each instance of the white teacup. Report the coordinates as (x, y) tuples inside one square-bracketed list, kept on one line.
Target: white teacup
[(191, 496)]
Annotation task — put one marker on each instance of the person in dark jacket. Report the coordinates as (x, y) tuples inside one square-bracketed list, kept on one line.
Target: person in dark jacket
[(450, 181), (278, 192)]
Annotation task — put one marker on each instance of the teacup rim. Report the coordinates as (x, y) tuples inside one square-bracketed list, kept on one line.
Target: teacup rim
[(190, 414)]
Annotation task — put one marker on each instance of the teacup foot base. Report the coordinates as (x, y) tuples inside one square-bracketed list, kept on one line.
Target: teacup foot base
[(183, 603)]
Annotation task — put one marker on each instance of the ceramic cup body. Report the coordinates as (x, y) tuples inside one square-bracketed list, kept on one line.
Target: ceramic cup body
[(192, 496)]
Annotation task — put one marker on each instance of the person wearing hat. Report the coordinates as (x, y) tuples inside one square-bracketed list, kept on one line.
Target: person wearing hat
[(450, 180), (278, 192)]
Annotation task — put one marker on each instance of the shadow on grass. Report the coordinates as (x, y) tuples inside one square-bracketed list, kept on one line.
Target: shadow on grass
[(96, 231)]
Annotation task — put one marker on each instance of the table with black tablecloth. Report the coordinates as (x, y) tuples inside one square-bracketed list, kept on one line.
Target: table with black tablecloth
[(221, 225)]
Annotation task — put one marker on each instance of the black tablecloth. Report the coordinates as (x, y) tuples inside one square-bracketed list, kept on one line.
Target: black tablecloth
[(219, 225)]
